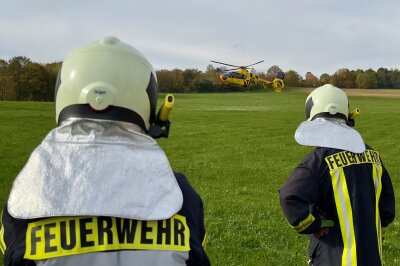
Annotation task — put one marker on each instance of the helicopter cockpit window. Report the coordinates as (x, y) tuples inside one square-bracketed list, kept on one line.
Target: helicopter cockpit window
[(235, 75)]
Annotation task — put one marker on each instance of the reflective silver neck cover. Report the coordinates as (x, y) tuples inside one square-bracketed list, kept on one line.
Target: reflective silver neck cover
[(329, 133), (96, 168)]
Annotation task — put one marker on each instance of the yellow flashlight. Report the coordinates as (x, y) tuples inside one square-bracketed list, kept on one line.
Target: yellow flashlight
[(356, 112), (166, 108)]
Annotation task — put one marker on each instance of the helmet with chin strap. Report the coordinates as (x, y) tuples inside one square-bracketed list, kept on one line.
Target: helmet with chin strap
[(107, 80), (327, 101)]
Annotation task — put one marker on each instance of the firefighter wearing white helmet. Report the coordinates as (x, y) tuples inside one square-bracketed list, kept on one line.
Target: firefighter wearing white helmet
[(341, 195), (327, 101), (99, 190), (107, 79)]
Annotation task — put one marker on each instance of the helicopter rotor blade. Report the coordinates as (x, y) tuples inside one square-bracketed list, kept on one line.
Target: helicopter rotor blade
[(255, 63), (231, 69), (224, 64)]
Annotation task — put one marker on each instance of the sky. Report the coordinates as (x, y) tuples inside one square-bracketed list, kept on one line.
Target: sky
[(320, 36)]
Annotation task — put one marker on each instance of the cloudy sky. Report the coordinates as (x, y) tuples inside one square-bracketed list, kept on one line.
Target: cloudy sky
[(320, 36)]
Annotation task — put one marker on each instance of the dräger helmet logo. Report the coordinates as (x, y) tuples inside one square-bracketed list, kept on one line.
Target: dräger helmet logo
[(101, 92)]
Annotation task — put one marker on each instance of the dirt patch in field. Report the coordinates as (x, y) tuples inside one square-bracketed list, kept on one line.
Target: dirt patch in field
[(395, 93), (377, 93)]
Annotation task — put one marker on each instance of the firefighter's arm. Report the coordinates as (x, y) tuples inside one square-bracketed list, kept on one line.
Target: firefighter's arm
[(386, 200), (7, 239), (296, 196), (193, 210), (12, 234)]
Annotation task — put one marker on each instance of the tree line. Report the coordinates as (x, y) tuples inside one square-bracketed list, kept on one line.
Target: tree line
[(24, 80)]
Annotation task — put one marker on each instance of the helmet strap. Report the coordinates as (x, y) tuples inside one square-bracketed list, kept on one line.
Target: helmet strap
[(328, 115), (113, 113)]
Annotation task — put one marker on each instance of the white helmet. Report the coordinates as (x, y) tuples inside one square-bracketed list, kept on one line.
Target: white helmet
[(327, 101), (107, 80)]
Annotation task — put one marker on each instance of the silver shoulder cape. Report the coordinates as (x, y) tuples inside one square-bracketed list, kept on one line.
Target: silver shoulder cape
[(88, 167), (329, 133)]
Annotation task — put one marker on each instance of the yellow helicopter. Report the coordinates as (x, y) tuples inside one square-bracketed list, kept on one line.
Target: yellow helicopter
[(242, 77)]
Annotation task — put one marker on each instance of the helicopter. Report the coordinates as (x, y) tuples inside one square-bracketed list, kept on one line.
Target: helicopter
[(242, 77)]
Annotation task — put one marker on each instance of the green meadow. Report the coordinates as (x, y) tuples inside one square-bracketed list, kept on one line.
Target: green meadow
[(236, 149)]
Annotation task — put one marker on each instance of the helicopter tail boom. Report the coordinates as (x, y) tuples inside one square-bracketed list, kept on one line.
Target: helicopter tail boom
[(277, 84)]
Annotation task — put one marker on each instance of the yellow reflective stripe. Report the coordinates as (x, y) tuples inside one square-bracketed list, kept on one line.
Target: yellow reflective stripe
[(304, 224), (3, 245), (63, 236), (345, 214), (377, 179), (204, 242)]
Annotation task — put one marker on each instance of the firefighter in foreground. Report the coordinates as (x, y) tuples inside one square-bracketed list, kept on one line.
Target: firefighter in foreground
[(99, 190), (341, 193)]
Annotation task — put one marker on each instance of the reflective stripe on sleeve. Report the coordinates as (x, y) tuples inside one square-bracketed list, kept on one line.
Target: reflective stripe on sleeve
[(377, 178), (204, 242), (304, 223), (3, 245), (345, 214)]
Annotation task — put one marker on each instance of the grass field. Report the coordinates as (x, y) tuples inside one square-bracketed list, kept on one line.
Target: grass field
[(236, 149)]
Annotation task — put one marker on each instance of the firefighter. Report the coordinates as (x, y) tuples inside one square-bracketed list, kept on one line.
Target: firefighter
[(99, 190), (340, 194)]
